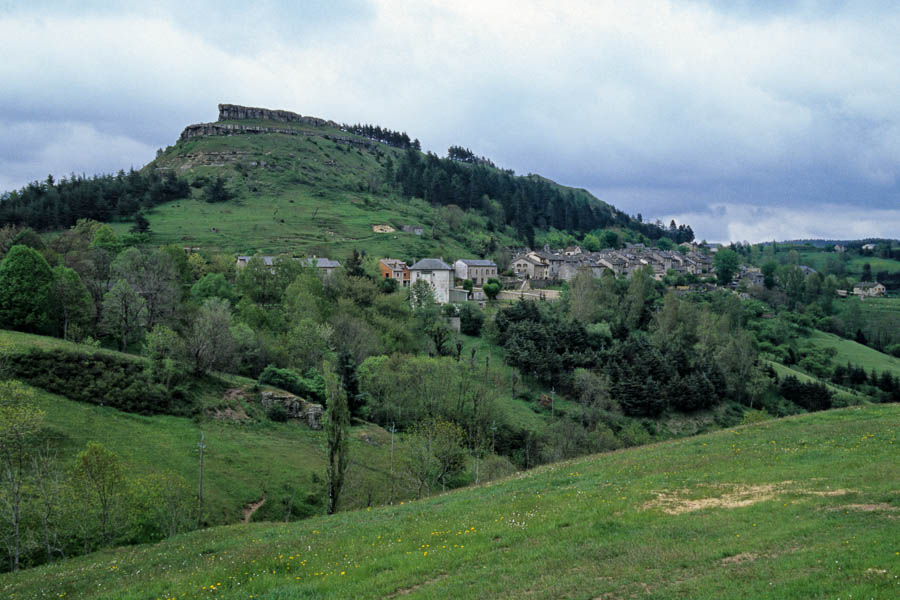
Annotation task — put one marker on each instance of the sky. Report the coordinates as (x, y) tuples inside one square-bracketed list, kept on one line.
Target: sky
[(749, 120)]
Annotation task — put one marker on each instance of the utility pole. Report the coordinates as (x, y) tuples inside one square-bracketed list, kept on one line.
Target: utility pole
[(202, 445), (393, 429), (553, 402)]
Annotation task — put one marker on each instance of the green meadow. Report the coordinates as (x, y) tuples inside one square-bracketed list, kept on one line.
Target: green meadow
[(854, 353), (803, 507)]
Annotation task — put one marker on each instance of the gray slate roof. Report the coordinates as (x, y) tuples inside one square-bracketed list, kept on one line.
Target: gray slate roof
[(474, 262), (323, 263), (431, 264)]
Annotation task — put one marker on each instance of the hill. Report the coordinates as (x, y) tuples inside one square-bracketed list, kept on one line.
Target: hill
[(305, 185), (795, 508)]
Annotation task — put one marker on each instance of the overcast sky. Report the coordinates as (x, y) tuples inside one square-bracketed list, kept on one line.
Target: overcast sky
[(749, 120)]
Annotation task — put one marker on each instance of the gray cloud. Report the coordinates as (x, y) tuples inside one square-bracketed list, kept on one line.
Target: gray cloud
[(658, 107)]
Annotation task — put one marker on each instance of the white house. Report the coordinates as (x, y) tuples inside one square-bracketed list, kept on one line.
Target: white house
[(477, 270), (437, 273), (868, 288)]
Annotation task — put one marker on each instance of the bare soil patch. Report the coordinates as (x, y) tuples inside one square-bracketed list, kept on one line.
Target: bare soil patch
[(730, 496), (383, 229), (252, 508)]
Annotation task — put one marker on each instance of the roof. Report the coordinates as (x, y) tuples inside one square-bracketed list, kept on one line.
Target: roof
[(394, 263), (431, 264), (528, 259), (866, 284), (323, 263), (477, 262)]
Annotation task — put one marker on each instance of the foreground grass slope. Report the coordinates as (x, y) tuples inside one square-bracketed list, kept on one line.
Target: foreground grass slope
[(806, 507)]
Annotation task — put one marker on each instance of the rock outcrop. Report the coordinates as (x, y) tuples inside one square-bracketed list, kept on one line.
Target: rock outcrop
[(234, 112), (296, 408)]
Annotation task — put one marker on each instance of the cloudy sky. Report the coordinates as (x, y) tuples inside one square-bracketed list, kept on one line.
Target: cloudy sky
[(747, 119)]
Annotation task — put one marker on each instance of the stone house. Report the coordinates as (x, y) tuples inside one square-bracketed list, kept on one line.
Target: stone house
[(437, 273), (392, 268), (530, 267), (477, 270), (325, 266)]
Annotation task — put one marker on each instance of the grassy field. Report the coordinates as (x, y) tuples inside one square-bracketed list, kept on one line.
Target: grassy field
[(800, 508), (857, 354)]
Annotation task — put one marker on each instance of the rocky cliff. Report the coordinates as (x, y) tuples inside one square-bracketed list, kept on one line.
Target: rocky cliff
[(233, 112)]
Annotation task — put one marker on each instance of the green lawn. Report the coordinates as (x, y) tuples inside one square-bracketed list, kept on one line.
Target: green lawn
[(798, 508)]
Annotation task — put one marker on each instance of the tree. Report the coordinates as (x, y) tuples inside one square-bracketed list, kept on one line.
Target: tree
[(584, 297), (492, 288), (154, 276), (141, 224), (435, 452), (25, 287), (866, 272), (70, 300), (123, 312), (209, 344), (213, 285), (726, 263), (215, 191), (20, 421), (768, 270), (99, 484), (354, 265), (470, 319), (337, 430)]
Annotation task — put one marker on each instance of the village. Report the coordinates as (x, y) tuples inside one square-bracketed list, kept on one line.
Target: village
[(538, 274)]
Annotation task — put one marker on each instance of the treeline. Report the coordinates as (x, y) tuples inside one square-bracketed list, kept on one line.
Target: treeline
[(384, 135), (51, 204), (465, 155), (524, 203)]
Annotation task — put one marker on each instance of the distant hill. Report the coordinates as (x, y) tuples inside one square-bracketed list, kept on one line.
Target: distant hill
[(308, 185)]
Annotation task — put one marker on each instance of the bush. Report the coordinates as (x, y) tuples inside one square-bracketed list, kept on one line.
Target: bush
[(277, 412), (634, 434), (309, 387), (99, 378), (470, 319)]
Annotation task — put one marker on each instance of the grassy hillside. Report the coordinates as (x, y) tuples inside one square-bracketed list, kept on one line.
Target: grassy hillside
[(303, 194), (247, 456), (798, 508), (786, 371), (857, 354)]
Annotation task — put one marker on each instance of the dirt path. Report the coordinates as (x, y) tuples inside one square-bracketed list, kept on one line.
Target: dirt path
[(252, 508)]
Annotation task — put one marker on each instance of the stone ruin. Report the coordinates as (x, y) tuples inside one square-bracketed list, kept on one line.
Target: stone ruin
[(297, 408)]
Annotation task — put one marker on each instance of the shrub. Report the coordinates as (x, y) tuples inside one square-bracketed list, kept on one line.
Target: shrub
[(99, 378), (311, 386), (470, 319)]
